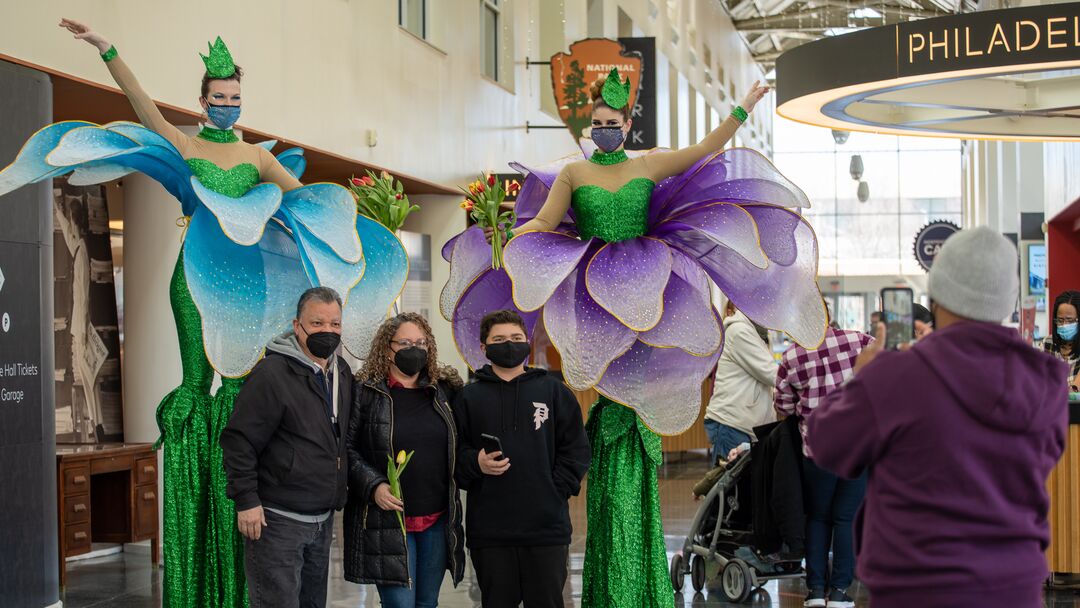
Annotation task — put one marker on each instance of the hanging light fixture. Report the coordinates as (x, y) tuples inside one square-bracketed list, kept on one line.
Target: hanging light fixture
[(840, 137), (863, 192), (856, 167)]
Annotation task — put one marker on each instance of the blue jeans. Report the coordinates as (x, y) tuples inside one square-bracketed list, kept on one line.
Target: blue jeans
[(831, 504), (723, 438), (427, 567)]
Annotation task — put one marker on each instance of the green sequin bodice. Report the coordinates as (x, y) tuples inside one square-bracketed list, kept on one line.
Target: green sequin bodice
[(613, 216), (233, 182)]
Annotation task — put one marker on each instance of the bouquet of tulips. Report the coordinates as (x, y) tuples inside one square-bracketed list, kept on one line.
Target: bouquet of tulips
[(483, 203), (382, 199), (394, 468)]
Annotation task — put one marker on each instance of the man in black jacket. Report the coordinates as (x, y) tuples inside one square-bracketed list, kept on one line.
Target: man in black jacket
[(285, 459), (518, 519)]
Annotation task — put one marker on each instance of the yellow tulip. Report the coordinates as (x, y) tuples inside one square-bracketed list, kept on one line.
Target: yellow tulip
[(401, 457)]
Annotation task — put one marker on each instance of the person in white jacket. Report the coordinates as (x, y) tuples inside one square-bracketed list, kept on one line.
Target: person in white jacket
[(742, 387)]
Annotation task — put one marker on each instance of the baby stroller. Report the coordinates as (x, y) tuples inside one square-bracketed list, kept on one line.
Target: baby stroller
[(722, 540)]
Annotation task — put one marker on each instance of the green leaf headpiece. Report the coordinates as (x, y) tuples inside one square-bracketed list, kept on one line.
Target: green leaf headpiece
[(219, 64), (615, 93)]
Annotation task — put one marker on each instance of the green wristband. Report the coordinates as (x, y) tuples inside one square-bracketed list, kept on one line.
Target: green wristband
[(109, 55), (740, 114)]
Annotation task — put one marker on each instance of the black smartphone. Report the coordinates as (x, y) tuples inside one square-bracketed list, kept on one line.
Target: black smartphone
[(898, 306), (492, 445)]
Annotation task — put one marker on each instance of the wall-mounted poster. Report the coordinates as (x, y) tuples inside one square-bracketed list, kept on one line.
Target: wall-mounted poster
[(89, 408), (417, 294)]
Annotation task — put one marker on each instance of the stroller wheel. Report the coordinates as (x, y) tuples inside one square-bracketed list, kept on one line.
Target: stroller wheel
[(697, 572), (678, 572), (735, 581)]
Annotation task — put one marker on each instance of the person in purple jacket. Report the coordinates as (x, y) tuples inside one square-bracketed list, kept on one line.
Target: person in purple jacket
[(958, 435)]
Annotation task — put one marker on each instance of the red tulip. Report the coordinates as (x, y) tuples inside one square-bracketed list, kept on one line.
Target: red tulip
[(491, 180), (480, 188), (356, 181), (398, 196), (368, 181)]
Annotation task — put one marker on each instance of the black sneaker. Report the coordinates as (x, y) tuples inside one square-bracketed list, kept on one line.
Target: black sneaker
[(816, 599), (839, 599)]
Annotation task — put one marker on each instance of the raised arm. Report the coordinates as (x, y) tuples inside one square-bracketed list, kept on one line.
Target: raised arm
[(555, 207), (661, 166), (145, 108)]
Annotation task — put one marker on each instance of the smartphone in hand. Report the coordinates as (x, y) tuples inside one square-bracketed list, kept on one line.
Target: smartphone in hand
[(898, 308), (492, 444)]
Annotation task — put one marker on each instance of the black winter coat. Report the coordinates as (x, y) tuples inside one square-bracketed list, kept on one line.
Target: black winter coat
[(375, 551), (776, 471)]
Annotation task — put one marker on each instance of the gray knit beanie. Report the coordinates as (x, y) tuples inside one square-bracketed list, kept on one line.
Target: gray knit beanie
[(975, 275)]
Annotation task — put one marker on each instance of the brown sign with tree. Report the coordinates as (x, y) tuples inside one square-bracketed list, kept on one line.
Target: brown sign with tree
[(588, 61)]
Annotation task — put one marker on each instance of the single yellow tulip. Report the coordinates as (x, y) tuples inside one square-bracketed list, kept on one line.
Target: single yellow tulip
[(401, 457)]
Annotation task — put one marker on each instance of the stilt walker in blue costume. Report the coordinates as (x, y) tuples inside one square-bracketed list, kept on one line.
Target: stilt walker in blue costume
[(255, 239)]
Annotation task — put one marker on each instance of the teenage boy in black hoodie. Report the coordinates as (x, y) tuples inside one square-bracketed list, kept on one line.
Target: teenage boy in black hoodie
[(517, 523)]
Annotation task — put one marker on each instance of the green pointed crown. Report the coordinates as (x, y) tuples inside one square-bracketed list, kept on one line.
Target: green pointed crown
[(219, 64), (615, 93)]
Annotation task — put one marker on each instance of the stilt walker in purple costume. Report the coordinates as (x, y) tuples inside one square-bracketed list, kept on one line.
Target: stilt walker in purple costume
[(255, 239), (616, 252)]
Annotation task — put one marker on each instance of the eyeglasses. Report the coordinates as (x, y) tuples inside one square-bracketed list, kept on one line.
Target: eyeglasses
[(1064, 321), (402, 344)]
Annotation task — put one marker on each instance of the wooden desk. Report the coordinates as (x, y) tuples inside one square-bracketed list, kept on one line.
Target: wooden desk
[(106, 493), (1064, 489)]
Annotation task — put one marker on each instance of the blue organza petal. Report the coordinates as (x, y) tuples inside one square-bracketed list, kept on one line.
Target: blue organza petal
[(327, 211), (241, 219), (321, 263), (294, 162), (29, 165), (245, 294), (89, 144), (387, 267)]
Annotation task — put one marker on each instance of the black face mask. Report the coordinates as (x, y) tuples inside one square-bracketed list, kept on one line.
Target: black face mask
[(322, 344), (411, 360), (508, 355)]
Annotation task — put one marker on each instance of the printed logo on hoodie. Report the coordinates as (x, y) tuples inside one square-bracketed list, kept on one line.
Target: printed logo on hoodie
[(540, 416)]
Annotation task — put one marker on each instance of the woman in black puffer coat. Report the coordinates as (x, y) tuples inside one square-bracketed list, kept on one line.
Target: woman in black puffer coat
[(401, 402)]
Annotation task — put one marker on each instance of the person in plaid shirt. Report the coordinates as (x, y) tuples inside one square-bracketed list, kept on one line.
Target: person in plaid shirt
[(804, 379)]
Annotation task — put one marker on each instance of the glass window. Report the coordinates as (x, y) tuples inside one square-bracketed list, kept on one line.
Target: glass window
[(412, 15), (491, 35)]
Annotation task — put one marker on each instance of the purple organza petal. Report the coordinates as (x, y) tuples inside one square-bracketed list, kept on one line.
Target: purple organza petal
[(448, 248), (587, 337), (628, 278), (538, 262), (739, 175), (490, 292), (689, 322), (725, 224), (471, 255), (662, 384), (777, 227), (779, 297)]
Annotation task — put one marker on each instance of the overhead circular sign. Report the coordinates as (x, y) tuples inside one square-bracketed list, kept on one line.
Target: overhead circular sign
[(929, 240), (1004, 74)]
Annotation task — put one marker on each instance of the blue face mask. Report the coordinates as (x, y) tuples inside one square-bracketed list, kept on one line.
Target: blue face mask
[(1067, 332), (608, 139), (223, 117)]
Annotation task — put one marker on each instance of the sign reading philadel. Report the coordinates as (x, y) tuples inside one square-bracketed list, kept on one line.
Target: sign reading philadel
[(929, 240), (1006, 40), (589, 60), (1027, 35)]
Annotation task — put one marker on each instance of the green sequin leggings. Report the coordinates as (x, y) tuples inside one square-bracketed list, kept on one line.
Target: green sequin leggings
[(203, 549), (625, 556)]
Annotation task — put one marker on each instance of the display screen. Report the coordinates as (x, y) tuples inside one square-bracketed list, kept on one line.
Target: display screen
[(898, 307), (1037, 269)]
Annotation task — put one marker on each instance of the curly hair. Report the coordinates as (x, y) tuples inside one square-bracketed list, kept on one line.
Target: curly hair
[(377, 363)]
